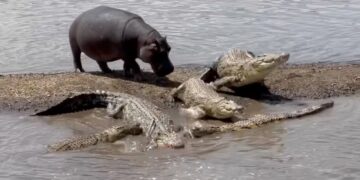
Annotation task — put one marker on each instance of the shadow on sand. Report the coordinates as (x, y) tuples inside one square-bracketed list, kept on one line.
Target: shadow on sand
[(148, 78), (257, 91)]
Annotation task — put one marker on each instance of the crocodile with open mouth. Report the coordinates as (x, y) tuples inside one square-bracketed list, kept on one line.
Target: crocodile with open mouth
[(238, 68)]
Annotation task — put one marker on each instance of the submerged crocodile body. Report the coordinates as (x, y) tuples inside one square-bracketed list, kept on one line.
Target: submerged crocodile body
[(155, 124), (109, 135), (202, 100), (199, 129), (238, 68)]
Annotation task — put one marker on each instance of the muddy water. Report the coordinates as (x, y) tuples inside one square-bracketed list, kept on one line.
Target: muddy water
[(34, 33), (323, 146), (33, 38)]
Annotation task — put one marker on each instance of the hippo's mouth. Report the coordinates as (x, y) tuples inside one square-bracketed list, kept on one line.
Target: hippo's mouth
[(163, 71)]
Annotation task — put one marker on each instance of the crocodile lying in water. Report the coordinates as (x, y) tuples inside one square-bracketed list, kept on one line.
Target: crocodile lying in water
[(238, 68), (155, 124), (199, 129), (202, 100)]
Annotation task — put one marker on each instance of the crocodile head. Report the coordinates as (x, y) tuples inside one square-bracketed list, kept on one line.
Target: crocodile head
[(225, 109), (171, 140), (117, 132), (264, 64)]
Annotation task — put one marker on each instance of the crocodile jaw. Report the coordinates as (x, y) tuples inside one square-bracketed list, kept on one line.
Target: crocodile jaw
[(224, 109), (268, 62), (171, 140)]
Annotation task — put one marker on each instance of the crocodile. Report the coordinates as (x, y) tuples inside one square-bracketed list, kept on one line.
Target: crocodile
[(156, 125), (238, 68), (107, 136), (199, 129), (203, 101)]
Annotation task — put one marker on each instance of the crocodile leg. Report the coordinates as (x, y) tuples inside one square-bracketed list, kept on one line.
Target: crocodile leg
[(224, 81), (200, 129), (195, 112), (175, 91), (115, 109), (209, 75)]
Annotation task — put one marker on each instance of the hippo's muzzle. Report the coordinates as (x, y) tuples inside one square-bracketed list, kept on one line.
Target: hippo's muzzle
[(163, 67)]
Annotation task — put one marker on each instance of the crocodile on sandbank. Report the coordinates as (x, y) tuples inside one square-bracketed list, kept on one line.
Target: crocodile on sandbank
[(201, 100), (155, 124), (147, 116), (238, 68)]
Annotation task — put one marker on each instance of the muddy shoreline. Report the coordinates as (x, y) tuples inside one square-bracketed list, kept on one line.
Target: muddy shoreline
[(35, 91)]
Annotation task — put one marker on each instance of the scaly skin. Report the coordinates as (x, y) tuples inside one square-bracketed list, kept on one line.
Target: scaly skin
[(107, 136), (202, 100), (155, 124), (199, 129), (238, 68)]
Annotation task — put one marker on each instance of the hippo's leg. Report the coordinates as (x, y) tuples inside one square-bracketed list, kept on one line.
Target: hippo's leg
[(127, 70), (131, 68), (104, 67), (76, 55), (114, 110)]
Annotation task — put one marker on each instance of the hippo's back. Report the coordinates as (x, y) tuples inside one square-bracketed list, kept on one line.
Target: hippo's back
[(106, 13), (99, 32), (101, 19)]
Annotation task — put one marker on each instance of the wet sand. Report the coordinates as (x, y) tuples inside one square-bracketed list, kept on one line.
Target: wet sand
[(33, 92)]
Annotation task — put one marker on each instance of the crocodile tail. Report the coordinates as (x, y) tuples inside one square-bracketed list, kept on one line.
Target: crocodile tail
[(74, 143), (215, 64), (78, 102), (200, 129), (260, 119), (211, 72)]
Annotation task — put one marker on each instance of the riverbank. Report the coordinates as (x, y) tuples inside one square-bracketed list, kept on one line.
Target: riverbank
[(32, 92)]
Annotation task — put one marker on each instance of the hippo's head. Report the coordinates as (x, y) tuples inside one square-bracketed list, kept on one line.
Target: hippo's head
[(155, 51)]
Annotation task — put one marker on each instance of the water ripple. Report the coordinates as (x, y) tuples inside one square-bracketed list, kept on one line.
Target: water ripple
[(34, 34)]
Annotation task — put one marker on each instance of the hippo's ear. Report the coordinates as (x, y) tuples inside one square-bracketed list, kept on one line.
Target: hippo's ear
[(150, 41)]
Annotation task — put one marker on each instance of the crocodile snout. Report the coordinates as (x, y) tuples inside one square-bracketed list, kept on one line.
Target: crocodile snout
[(177, 145)]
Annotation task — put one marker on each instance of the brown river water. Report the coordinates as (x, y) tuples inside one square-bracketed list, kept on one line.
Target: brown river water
[(33, 38), (321, 146)]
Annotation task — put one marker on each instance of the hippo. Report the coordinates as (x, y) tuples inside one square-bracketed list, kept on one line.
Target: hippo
[(108, 34)]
